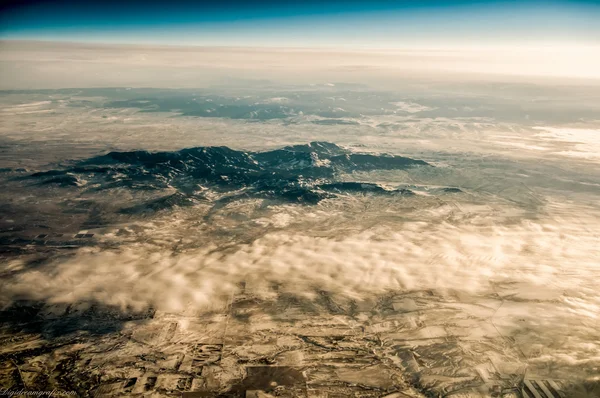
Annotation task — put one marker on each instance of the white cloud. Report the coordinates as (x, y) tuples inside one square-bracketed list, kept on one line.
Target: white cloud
[(411, 107), (577, 142)]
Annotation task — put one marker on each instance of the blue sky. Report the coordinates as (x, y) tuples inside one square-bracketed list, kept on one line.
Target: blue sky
[(309, 23)]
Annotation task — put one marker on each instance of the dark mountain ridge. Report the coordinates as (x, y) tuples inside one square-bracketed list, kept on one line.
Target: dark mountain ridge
[(299, 173)]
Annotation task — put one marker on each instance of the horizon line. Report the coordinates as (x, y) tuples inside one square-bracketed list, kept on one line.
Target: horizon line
[(264, 46)]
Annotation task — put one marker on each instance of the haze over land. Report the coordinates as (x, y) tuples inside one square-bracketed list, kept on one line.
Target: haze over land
[(35, 65)]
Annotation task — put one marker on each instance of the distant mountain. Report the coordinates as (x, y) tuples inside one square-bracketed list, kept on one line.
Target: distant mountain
[(298, 174)]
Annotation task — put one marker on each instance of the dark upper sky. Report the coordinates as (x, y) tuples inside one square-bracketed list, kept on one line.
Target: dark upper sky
[(306, 22)]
